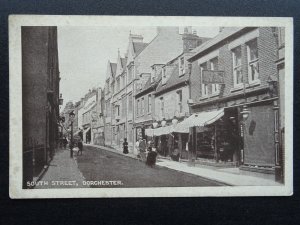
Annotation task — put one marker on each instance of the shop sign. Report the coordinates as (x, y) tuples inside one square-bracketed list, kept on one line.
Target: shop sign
[(212, 77)]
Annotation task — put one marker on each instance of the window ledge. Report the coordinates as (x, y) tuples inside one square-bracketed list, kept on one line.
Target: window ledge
[(203, 98), (180, 75), (215, 94), (253, 84), (237, 88)]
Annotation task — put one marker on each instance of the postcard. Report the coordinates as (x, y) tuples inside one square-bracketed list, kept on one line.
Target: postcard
[(150, 106)]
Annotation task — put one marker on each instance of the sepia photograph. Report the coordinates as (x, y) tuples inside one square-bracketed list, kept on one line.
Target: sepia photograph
[(136, 106)]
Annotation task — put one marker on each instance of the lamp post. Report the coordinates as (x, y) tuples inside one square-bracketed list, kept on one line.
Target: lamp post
[(71, 116), (245, 114)]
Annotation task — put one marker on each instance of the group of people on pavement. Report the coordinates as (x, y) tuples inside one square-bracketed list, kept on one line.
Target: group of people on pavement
[(146, 151), (77, 145)]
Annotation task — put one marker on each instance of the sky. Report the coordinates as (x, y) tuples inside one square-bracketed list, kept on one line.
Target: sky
[(84, 52)]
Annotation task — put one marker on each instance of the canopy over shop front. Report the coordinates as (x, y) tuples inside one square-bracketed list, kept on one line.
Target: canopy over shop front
[(196, 120), (166, 130), (86, 130), (201, 119)]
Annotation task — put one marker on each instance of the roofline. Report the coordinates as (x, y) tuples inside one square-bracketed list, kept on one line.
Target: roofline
[(206, 50), (182, 83)]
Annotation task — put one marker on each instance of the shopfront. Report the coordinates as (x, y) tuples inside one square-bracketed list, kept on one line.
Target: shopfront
[(219, 140)]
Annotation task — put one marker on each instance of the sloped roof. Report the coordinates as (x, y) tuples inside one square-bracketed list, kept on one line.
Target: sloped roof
[(173, 80), (138, 47), (226, 33), (113, 67)]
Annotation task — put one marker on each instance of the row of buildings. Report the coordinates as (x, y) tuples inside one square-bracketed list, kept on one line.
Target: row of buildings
[(220, 99)]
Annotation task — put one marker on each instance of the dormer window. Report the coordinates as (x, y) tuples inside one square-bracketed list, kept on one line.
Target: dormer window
[(181, 66)]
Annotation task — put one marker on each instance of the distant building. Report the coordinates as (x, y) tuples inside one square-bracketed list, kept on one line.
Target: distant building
[(69, 107), (88, 115), (108, 92), (40, 91), (98, 120)]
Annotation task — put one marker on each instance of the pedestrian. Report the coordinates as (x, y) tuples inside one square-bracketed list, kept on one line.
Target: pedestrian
[(125, 146), (80, 146), (65, 142), (142, 148), (137, 143), (151, 158)]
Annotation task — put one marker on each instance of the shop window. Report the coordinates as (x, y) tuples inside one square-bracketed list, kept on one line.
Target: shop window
[(252, 56), (204, 87), (237, 66), (215, 88), (181, 66)]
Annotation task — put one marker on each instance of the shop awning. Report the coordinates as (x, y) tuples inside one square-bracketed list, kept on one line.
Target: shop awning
[(201, 119), (86, 130), (166, 130), (77, 132)]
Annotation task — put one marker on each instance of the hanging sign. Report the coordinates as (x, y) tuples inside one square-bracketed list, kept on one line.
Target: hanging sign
[(213, 77)]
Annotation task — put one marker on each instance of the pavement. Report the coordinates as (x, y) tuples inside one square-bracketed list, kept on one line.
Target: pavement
[(62, 172), (229, 176)]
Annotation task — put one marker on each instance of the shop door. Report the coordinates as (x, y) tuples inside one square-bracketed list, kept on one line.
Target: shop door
[(259, 137)]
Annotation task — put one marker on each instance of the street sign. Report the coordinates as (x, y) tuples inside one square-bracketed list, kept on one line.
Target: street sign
[(213, 77)]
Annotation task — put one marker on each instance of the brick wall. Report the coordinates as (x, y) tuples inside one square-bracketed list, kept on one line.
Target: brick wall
[(267, 55)]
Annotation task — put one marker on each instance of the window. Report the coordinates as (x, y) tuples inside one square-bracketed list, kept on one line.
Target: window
[(113, 111), (215, 88), (138, 108), (181, 66), (142, 106), (281, 37), (118, 110), (237, 66), (130, 103), (149, 103), (252, 56), (118, 84), (112, 88), (124, 106), (108, 108), (162, 106), (179, 101), (204, 87), (164, 78)]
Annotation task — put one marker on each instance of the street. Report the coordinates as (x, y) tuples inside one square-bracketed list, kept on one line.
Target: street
[(100, 165)]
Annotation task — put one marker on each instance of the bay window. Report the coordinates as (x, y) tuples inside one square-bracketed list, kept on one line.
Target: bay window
[(215, 88)]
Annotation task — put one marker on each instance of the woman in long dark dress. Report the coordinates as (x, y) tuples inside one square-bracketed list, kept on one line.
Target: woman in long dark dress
[(125, 146)]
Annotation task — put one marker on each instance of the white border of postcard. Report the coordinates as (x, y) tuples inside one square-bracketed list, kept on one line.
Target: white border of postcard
[(15, 96)]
